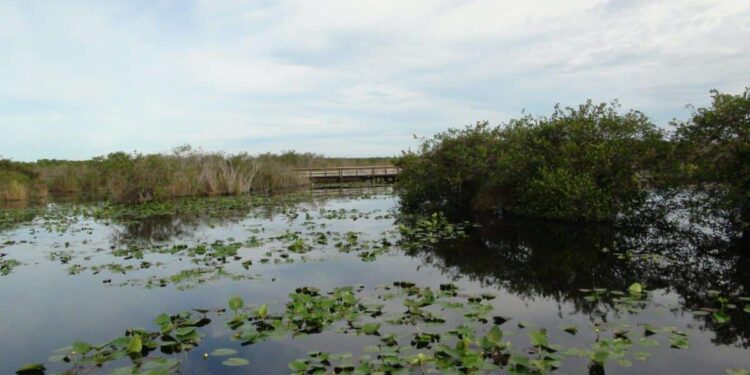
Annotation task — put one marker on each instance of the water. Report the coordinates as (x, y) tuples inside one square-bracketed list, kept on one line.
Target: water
[(73, 283)]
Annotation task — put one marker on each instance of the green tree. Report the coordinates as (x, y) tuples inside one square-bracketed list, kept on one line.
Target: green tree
[(714, 145), (584, 163)]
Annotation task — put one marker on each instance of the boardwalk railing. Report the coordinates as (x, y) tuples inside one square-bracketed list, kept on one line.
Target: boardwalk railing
[(384, 173)]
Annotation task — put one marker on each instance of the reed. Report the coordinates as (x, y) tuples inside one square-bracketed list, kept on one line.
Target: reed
[(136, 177)]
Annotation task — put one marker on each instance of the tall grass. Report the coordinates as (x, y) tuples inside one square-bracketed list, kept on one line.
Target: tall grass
[(18, 181), (137, 177)]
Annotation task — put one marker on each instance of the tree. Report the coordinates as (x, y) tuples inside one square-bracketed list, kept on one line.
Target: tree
[(715, 146)]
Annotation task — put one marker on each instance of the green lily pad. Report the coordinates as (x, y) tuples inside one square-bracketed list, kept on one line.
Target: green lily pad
[(370, 328), (135, 345), (235, 362), (635, 288), (31, 368), (236, 303), (298, 366)]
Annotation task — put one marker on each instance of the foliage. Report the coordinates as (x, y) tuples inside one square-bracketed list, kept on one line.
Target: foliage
[(128, 178), (476, 346), (715, 147), (18, 181), (584, 163)]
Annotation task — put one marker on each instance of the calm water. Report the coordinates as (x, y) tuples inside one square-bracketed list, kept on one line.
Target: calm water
[(73, 282)]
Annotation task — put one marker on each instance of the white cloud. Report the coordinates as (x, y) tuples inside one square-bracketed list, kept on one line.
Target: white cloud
[(86, 78)]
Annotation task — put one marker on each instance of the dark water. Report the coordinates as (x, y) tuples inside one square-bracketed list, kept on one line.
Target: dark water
[(58, 295)]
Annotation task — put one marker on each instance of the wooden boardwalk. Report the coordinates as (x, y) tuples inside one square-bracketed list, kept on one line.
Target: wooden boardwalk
[(373, 173)]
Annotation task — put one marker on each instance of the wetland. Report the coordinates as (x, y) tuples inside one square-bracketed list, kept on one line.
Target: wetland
[(343, 281)]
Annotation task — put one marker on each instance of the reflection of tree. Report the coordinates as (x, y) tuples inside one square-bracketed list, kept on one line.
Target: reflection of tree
[(159, 228), (556, 260)]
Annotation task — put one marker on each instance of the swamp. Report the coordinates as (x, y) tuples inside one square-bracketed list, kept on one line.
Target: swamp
[(344, 281), (374, 187)]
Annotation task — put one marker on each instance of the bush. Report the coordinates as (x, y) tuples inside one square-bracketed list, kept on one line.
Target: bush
[(448, 170), (124, 177), (584, 163), (18, 181), (715, 147)]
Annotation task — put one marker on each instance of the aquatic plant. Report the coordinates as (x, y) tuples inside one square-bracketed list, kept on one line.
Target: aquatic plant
[(478, 346)]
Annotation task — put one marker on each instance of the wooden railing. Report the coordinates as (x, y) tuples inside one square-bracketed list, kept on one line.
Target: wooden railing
[(341, 173)]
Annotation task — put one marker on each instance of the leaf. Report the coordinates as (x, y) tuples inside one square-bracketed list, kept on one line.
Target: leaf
[(234, 362), (135, 345), (31, 368), (721, 317), (641, 356), (635, 288), (162, 319), (494, 335), (263, 311), (747, 308), (298, 366), (599, 357), (236, 303), (184, 331), (223, 352), (649, 330), (370, 328), (538, 338), (679, 342), (81, 347)]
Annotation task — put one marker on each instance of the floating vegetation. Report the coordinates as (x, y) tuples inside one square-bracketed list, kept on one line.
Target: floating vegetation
[(438, 296), (420, 232), (7, 265), (477, 345)]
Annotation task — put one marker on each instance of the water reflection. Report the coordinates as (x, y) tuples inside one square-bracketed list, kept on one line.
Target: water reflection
[(557, 260), (539, 267)]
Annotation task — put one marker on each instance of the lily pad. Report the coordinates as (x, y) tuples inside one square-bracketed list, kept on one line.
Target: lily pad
[(31, 369), (635, 288), (370, 328), (235, 362)]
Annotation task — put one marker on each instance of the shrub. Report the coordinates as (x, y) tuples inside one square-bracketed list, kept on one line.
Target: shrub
[(124, 177), (584, 163), (448, 170), (18, 181), (715, 147)]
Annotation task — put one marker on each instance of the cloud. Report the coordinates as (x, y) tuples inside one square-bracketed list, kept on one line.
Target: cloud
[(85, 78)]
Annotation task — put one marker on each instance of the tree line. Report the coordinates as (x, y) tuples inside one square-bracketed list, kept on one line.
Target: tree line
[(592, 162)]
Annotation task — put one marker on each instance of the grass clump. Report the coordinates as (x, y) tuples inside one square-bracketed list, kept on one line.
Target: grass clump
[(186, 172), (18, 181)]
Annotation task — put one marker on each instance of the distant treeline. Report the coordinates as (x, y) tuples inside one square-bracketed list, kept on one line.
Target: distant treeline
[(589, 163), (136, 177)]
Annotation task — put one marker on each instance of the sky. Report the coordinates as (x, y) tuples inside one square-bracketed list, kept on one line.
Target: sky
[(343, 78)]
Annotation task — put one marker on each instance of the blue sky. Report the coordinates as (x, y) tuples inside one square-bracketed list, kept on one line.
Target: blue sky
[(344, 78)]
